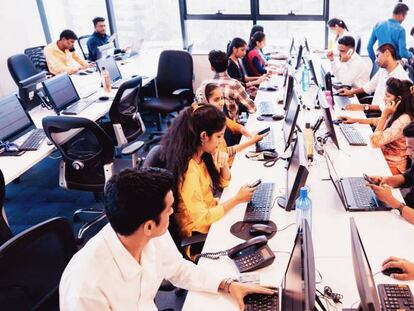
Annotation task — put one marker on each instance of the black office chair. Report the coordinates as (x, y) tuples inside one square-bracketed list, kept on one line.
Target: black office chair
[(87, 159), (82, 41), (5, 232), (358, 44), (26, 77), (174, 86), (32, 263), (37, 57)]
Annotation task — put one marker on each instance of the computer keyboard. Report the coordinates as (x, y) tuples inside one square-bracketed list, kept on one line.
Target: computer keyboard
[(259, 208), (267, 143), (396, 297), (352, 135), (267, 109), (35, 139), (364, 196), (78, 107), (260, 302)]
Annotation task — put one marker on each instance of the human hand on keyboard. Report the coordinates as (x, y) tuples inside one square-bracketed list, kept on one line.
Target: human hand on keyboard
[(245, 194), (239, 290), (347, 120), (354, 107), (406, 266)]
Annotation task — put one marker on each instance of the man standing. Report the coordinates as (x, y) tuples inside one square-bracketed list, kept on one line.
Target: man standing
[(391, 31)]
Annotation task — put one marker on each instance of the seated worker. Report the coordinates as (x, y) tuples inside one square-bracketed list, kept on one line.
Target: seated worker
[(122, 267), (350, 69), (405, 180), (211, 95), (397, 114), (232, 89), (236, 52), (389, 67), (98, 38), (406, 266), (61, 56), (339, 29), (255, 28), (190, 149), (255, 57)]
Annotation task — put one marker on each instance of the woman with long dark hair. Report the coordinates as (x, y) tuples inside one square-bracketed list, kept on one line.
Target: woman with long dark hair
[(190, 151), (397, 114), (255, 57), (338, 28)]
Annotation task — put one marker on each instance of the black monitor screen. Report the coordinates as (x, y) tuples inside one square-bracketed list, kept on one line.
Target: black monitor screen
[(291, 117), (61, 91), (13, 118), (363, 273), (287, 96), (327, 117), (299, 58), (313, 72), (110, 64)]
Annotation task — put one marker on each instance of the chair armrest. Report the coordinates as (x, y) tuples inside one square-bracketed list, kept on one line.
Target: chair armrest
[(132, 148), (33, 80), (181, 91), (366, 99), (166, 286), (194, 239)]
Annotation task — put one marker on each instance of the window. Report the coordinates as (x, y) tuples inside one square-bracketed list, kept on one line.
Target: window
[(283, 7), (157, 22), (215, 6)]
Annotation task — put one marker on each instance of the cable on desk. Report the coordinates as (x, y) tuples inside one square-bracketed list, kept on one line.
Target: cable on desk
[(290, 225)]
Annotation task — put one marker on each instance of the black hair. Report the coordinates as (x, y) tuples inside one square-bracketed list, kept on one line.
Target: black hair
[(400, 8), (412, 31), (336, 21), (182, 140), (408, 131), (388, 47), (97, 19), (218, 60), (257, 36), (347, 41), (68, 34), (235, 43), (402, 89), (255, 29), (209, 89), (135, 196)]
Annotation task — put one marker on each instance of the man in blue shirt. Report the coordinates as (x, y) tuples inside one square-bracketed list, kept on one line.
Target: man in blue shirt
[(98, 38), (391, 31)]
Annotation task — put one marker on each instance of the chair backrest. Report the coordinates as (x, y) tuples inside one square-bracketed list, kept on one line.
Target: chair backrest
[(37, 57), (32, 263), (175, 71), (82, 41), (124, 109), (190, 48), (5, 232), (358, 44), (21, 68), (153, 158), (84, 154), (410, 69)]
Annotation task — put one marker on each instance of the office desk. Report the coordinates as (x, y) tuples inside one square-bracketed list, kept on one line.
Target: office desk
[(383, 233)]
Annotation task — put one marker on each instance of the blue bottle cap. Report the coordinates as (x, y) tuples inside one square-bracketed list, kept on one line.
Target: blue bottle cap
[(303, 192)]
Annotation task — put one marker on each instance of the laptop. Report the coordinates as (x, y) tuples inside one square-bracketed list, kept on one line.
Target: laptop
[(353, 192), (15, 123), (114, 73), (63, 96), (106, 50)]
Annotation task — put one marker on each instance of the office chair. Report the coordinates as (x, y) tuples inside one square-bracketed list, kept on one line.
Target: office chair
[(174, 86), (5, 232), (32, 263), (27, 77), (410, 70), (37, 57), (358, 44), (87, 159), (190, 48), (82, 41)]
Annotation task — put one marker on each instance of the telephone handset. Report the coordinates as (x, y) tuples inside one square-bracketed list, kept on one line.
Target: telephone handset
[(248, 256)]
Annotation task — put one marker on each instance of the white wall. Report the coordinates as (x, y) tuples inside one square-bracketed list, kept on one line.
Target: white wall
[(20, 28)]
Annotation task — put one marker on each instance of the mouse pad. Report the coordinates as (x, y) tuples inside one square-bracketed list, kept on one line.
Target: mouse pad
[(242, 229)]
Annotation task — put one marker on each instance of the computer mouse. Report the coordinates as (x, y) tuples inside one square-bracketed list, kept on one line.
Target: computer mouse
[(260, 229), (337, 121), (12, 147), (82, 73), (390, 271), (103, 98), (271, 89), (278, 117)]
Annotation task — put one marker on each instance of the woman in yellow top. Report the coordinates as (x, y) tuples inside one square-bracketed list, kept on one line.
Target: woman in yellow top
[(211, 94), (190, 151)]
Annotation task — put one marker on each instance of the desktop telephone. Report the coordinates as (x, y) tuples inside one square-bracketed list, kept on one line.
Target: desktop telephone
[(248, 256)]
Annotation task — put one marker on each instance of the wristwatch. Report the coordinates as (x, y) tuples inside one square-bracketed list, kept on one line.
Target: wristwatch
[(400, 208), (366, 107)]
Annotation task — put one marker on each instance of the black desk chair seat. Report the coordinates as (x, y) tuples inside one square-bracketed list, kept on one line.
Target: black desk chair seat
[(162, 105)]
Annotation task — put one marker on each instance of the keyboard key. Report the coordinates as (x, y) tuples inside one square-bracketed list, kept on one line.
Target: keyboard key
[(259, 208), (33, 142), (352, 135)]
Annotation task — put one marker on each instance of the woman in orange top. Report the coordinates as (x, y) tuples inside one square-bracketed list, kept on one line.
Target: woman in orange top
[(211, 94)]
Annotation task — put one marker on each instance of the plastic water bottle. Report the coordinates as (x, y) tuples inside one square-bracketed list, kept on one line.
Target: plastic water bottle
[(303, 208), (106, 80), (308, 140), (305, 78)]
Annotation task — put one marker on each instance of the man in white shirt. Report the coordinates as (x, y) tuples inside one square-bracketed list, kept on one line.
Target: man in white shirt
[(122, 267), (389, 67), (350, 69)]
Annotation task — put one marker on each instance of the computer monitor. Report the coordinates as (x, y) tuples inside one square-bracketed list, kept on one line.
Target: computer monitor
[(297, 173), (61, 92), (288, 91), (106, 50), (307, 45), (110, 64), (291, 117), (292, 48), (312, 70), (327, 117), (368, 295), (14, 120), (299, 57), (298, 285)]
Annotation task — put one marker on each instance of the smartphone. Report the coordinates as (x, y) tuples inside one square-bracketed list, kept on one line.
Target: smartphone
[(264, 131), (366, 177), (255, 184)]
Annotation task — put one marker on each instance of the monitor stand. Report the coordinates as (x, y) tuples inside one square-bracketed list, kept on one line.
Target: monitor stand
[(282, 201)]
